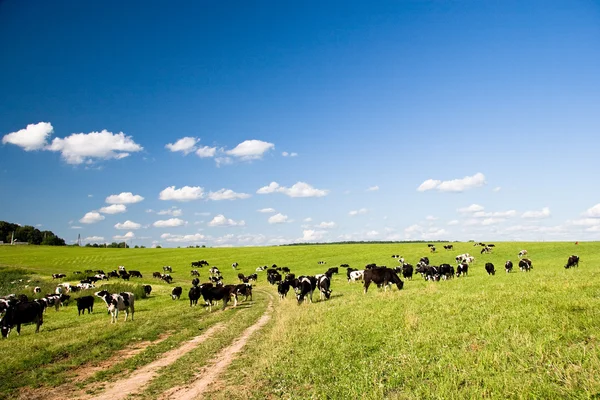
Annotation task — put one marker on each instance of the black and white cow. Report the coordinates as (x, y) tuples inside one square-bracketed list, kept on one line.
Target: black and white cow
[(176, 292), (449, 246), (195, 281), (489, 268), (283, 288), (424, 260), (58, 276), (462, 269), (234, 265), (522, 253), (446, 271), (167, 278), (244, 289), (85, 303), (273, 277), (210, 294), (382, 276), (323, 284), (214, 271), (147, 289), (21, 313), (525, 264), (167, 268), (194, 295), (195, 272), (252, 277), (573, 261), (508, 266), (407, 271), (305, 289), (116, 302)]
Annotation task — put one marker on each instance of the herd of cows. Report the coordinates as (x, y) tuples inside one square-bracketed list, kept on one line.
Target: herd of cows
[(17, 310)]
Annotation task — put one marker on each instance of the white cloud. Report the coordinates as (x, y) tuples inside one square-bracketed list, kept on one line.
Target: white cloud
[(453, 222), (326, 225), (113, 209), (593, 212), (309, 219), (76, 227), (251, 149), (372, 234), (203, 214), (221, 220), (373, 188), (470, 209), (186, 145), (195, 238), (94, 239), (358, 212), (175, 212), (492, 221), (206, 152), (310, 235), (430, 218), (90, 195), (585, 222), (299, 189), (91, 218), (455, 185), (434, 233), (278, 219), (266, 210), (124, 198), (31, 138), (501, 214), (496, 189), (286, 154), (128, 225), (84, 147), (544, 213), (223, 161), (227, 194), (127, 236), (186, 193), (169, 223)]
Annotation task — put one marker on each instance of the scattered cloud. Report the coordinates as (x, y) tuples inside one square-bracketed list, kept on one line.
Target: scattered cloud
[(326, 225), (358, 212), (373, 188), (195, 238), (544, 213), (371, 234), (286, 154), (585, 222), (90, 195), (185, 145), (251, 149), (299, 189), (470, 209), (455, 185), (203, 214), (496, 189), (128, 225), (186, 193), (278, 219), (223, 161), (206, 152), (501, 214), (227, 194), (175, 212), (94, 239), (453, 222), (430, 218), (593, 212), (266, 210), (127, 236), (76, 227), (309, 219), (312, 235), (113, 209), (169, 223), (91, 217), (33, 137), (221, 220), (85, 147), (124, 198)]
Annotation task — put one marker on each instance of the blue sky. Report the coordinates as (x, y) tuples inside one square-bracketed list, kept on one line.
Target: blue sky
[(167, 124)]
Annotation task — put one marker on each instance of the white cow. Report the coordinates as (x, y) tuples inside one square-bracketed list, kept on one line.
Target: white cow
[(357, 275), (118, 302), (522, 253)]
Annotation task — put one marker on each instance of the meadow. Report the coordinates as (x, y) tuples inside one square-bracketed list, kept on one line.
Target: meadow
[(519, 335)]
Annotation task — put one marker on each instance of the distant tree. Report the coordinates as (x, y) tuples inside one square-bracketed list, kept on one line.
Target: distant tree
[(158, 247), (95, 245), (136, 247), (142, 247)]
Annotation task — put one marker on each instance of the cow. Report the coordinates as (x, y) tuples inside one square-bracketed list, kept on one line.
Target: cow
[(462, 270), (323, 284), (147, 289), (283, 288), (21, 313), (195, 272), (486, 250), (195, 282), (135, 274), (357, 275), (382, 276), (123, 301), (446, 271), (85, 303), (489, 268), (242, 278), (432, 249), (430, 245), (252, 277), (348, 272), (167, 268), (244, 289), (167, 278), (37, 289), (214, 271), (407, 271), (491, 245), (101, 277), (234, 265), (573, 261), (305, 288), (176, 293), (273, 277), (125, 276), (194, 295), (157, 275), (345, 265), (522, 253), (424, 260), (58, 276), (260, 269), (333, 270), (113, 274), (449, 247), (211, 294), (462, 257), (508, 266), (525, 264)]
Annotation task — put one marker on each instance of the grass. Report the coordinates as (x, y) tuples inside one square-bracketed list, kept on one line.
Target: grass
[(518, 335)]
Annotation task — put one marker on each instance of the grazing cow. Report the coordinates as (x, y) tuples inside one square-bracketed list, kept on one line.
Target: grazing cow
[(489, 268), (446, 271), (194, 295), (167, 268), (113, 274), (525, 265), (211, 294), (37, 289), (283, 288), (462, 257), (135, 274), (85, 303), (58, 276), (167, 278), (323, 284), (242, 278), (260, 269), (147, 289), (348, 272), (252, 277), (407, 271), (382, 276), (273, 277), (462, 270), (234, 265), (176, 292), (369, 266), (424, 260), (573, 261), (357, 275), (522, 253), (449, 247), (430, 245), (214, 271), (305, 289), (157, 275), (195, 281), (196, 264), (21, 313), (508, 266), (432, 249), (344, 265), (491, 245), (123, 301), (125, 276), (195, 272)]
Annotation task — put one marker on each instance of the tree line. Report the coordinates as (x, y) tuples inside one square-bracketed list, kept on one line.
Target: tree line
[(28, 234)]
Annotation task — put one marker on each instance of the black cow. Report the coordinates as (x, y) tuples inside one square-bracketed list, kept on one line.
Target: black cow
[(449, 246), (508, 266), (244, 289), (113, 274), (147, 289), (489, 268), (167, 278), (135, 274), (211, 294), (176, 292), (333, 270), (274, 277), (195, 272), (382, 276), (157, 275), (525, 264), (195, 282), (446, 271), (573, 261), (424, 260), (21, 313), (323, 284), (344, 265), (85, 303), (491, 245), (194, 295), (252, 277), (462, 270), (430, 245), (283, 288), (407, 271)]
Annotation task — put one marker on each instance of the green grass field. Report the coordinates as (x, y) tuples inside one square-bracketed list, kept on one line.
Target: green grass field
[(518, 335)]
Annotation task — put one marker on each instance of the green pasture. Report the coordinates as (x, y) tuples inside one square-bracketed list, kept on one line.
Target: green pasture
[(519, 335)]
